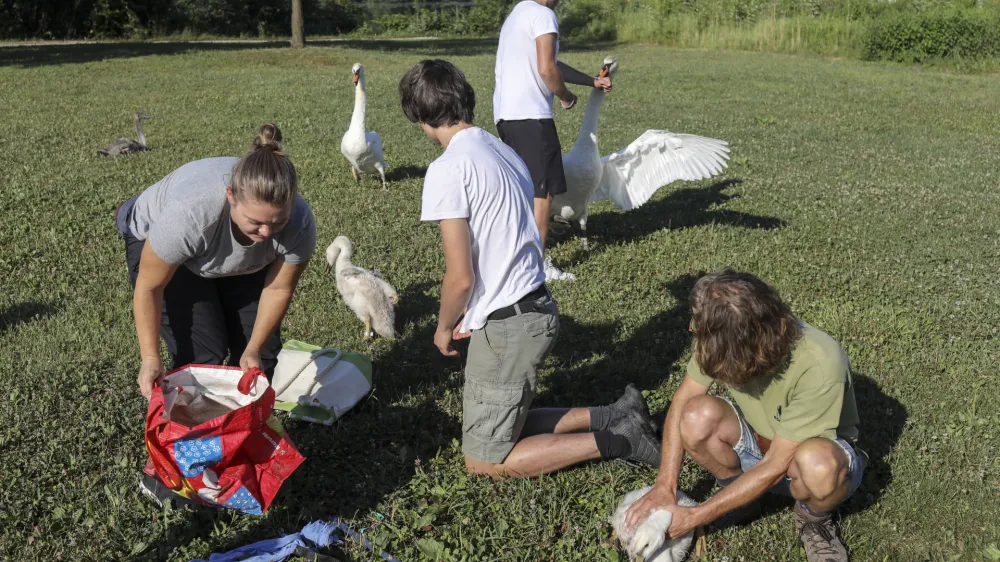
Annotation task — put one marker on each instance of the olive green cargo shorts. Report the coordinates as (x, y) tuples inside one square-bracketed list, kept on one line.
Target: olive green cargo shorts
[(500, 379)]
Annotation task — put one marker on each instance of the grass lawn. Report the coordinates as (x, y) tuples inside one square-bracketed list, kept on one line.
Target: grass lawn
[(867, 193)]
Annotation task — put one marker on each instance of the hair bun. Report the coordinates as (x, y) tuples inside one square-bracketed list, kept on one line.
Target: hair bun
[(268, 136)]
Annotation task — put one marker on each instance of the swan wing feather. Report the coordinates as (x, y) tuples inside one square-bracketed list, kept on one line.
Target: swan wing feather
[(632, 175)]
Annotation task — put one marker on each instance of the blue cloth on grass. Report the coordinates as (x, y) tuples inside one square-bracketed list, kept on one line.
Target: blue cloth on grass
[(317, 534)]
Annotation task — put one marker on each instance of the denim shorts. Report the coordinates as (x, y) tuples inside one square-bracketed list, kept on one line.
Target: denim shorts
[(749, 453)]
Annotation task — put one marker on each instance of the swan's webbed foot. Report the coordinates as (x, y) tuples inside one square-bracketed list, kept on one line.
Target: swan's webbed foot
[(368, 334), (558, 224)]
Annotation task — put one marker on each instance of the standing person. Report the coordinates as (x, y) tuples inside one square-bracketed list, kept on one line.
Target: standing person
[(791, 427), (479, 192), (528, 75), (214, 252)]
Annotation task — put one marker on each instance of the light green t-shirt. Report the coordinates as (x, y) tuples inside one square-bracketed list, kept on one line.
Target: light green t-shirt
[(812, 397)]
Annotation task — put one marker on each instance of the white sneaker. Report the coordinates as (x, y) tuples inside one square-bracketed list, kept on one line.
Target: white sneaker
[(553, 273)]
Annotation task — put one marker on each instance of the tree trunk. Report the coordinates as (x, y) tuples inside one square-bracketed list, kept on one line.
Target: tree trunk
[(298, 35)]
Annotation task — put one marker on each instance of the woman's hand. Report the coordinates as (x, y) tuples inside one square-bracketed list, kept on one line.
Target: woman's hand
[(250, 359), (150, 373)]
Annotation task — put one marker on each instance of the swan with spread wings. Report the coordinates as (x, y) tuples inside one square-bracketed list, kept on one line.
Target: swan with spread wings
[(631, 176)]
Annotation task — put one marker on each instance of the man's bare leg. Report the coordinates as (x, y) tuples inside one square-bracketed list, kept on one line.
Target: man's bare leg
[(819, 475), (540, 454), (542, 211), (554, 438), (556, 420), (709, 431), (542, 208)]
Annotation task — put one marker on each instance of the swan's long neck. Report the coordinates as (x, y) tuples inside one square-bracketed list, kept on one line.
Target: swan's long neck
[(358, 122), (138, 131), (588, 131), (344, 257)]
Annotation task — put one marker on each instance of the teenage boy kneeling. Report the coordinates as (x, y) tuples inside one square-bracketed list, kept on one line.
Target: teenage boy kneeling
[(480, 192)]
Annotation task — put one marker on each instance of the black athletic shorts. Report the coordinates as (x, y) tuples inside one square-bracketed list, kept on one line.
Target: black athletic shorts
[(536, 142)]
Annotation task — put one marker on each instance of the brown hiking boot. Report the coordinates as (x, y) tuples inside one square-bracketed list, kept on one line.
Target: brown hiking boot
[(819, 536)]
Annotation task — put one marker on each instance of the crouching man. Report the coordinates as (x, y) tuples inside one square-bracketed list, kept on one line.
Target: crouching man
[(480, 194), (790, 427)]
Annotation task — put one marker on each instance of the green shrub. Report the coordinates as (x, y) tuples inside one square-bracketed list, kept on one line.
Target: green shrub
[(425, 21), (113, 18), (963, 32), (914, 36), (142, 18), (385, 23), (329, 17), (589, 19), (486, 16)]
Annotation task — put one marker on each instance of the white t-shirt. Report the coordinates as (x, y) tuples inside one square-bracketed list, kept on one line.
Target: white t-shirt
[(481, 179), (520, 92)]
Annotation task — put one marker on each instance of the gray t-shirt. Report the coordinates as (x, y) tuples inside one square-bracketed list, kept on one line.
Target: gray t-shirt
[(185, 217)]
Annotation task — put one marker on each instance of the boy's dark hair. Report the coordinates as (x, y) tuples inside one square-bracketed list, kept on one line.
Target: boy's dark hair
[(436, 92), (742, 328)]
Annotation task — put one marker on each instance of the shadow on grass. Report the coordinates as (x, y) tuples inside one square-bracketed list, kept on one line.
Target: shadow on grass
[(21, 313), (641, 360), (45, 55), (683, 208), (424, 47), (405, 173), (883, 419), (42, 54), (456, 47)]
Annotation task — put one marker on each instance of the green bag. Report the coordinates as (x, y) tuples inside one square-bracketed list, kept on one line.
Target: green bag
[(318, 384)]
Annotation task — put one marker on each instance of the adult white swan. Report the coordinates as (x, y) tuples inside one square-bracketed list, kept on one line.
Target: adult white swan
[(632, 175), (361, 147)]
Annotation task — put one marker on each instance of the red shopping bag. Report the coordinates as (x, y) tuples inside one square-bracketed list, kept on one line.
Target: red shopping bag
[(212, 437)]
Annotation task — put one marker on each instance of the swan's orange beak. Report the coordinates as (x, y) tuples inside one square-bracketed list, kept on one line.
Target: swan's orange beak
[(604, 71), (354, 78)]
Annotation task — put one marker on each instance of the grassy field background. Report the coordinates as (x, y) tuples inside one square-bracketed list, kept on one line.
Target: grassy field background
[(867, 193)]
